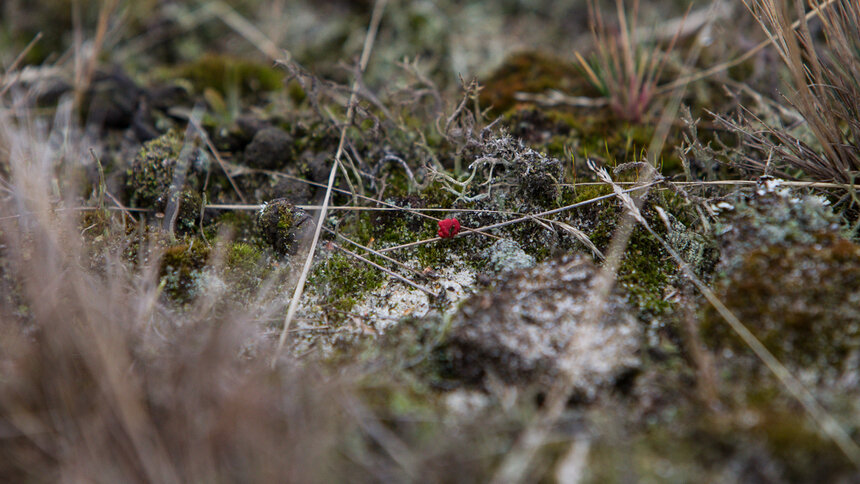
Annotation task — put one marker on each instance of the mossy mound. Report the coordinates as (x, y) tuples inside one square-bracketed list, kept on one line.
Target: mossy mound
[(790, 276), (161, 167), (282, 225), (181, 266), (531, 72), (802, 302)]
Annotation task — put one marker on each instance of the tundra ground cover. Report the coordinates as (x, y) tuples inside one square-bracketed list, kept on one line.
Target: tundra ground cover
[(519, 277)]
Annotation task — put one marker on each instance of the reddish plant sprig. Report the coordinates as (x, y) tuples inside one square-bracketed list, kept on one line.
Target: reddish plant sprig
[(448, 228)]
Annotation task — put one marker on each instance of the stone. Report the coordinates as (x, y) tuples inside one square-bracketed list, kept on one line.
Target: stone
[(532, 328), (271, 149)]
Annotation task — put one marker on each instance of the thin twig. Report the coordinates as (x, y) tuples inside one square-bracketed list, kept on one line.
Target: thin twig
[(800, 184), (376, 17), (359, 208), (385, 270), (524, 218), (14, 66), (374, 200), (217, 156), (246, 29), (376, 253)]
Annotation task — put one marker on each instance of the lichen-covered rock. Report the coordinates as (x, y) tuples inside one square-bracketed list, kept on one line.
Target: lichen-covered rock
[(772, 215), (282, 225), (506, 255), (520, 330), (790, 277), (270, 149)]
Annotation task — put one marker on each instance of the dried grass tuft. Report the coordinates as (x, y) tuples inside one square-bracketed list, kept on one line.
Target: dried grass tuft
[(824, 77)]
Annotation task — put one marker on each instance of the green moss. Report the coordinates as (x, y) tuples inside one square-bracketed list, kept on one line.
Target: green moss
[(531, 72), (240, 225), (181, 265), (245, 268), (189, 214), (582, 193), (151, 172), (226, 75), (801, 301), (243, 256), (152, 176), (340, 279), (643, 271), (279, 223), (646, 269)]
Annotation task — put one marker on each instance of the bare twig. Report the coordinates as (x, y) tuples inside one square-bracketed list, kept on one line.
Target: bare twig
[(14, 66), (376, 17), (202, 132), (376, 253), (387, 271), (243, 27), (525, 218)]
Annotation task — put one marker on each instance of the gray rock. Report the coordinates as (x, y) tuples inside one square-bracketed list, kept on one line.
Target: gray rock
[(506, 255), (270, 149), (520, 330)]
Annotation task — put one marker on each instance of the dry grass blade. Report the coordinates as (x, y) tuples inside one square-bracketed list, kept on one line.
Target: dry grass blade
[(580, 236), (724, 66), (85, 68), (376, 17), (7, 83), (383, 269), (827, 94), (245, 28), (202, 133), (525, 218)]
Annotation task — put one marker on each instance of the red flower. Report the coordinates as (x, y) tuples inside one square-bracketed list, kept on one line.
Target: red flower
[(448, 228)]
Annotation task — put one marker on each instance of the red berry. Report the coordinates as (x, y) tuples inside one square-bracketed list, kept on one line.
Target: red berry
[(448, 228)]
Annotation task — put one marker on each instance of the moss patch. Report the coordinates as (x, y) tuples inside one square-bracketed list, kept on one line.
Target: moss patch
[(341, 280), (531, 72), (181, 265), (226, 74), (802, 302)]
